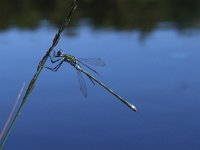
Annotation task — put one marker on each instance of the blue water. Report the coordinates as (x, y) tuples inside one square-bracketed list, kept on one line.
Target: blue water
[(158, 74)]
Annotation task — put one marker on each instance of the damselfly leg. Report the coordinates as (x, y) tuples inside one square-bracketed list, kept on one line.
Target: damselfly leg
[(56, 67)]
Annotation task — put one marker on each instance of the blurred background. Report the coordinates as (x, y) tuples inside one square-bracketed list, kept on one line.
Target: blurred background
[(151, 49), (144, 16)]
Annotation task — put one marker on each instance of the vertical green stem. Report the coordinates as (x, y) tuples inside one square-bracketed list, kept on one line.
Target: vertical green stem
[(39, 69)]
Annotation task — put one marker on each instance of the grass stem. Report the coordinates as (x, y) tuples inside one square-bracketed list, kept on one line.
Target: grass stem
[(39, 68)]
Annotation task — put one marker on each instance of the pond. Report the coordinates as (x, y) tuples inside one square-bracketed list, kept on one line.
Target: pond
[(151, 50)]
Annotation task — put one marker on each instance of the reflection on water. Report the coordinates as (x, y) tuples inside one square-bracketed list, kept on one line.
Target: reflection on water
[(161, 77), (140, 15)]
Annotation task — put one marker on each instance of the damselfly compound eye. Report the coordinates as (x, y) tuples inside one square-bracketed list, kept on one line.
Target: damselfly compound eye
[(60, 52)]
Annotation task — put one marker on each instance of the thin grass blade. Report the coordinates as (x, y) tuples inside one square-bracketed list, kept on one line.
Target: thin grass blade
[(12, 112), (40, 67)]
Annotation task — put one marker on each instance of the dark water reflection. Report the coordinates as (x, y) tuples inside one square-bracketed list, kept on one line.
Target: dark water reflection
[(144, 15), (160, 75)]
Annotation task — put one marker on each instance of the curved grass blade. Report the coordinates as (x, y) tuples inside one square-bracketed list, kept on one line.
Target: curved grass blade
[(12, 112), (39, 68)]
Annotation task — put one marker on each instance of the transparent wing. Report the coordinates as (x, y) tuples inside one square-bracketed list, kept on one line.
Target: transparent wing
[(93, 61), (82, 83), (88, 67)]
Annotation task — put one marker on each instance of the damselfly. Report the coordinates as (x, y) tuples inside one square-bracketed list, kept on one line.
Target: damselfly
[(78, 65)]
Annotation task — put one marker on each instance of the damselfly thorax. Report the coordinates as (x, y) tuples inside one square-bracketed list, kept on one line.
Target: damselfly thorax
[(70, 59)]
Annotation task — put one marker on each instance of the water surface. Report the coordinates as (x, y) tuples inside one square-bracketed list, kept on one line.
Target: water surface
[(157, 70)]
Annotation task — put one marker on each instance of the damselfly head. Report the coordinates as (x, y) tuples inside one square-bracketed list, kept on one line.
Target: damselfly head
[(60, 53)]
